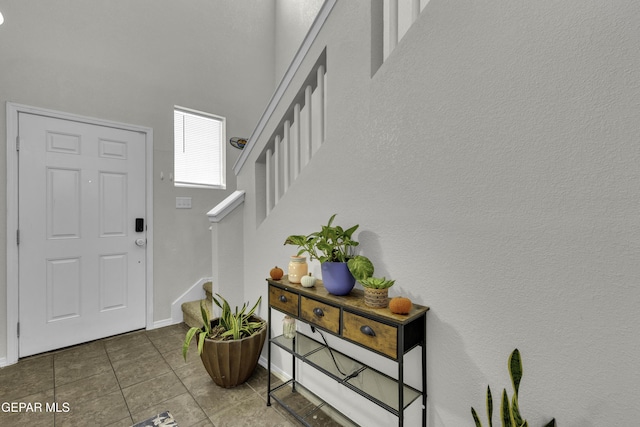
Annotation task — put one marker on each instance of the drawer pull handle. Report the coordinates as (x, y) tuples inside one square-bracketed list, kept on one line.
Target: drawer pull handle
[(367, 331), (318, 312), (282, 298)]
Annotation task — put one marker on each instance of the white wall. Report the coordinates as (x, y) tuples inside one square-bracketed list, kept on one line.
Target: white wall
[(493, 165), (132, 62), (293, 19)]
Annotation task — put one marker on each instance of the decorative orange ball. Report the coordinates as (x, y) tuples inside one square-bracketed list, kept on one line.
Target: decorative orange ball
[(400, 305), (276, 273)]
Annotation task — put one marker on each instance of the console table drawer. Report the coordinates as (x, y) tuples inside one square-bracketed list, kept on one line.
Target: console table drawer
[(375, 335), (283, 300), (318, 313)]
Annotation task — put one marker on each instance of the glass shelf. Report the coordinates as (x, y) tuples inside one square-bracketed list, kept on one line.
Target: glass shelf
[(382, 389), (307, 407), (301, 345), (361, 378), (335, 364)]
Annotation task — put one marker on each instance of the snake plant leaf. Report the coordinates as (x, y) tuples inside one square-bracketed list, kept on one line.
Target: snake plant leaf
[(205, 318), (233, 330), (489, 406), (242, 310), (515, 369), (253, 309), (187, 341), (551, 423), (475, 417), (201, 338), (515, 411), (505, 411)]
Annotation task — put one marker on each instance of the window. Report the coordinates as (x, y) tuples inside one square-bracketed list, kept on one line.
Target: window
[(199, 149)]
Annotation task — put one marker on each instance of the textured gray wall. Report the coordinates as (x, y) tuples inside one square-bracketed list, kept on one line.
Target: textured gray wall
[(493, 165)]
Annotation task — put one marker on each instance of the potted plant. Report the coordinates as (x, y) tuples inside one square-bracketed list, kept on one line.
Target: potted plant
[(230, 345), (333, 247), (376, 289)]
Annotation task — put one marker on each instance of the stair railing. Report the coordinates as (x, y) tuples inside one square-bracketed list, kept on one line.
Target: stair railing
[(295, 139)]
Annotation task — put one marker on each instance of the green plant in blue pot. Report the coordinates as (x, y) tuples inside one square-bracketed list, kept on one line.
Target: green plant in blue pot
[(333, 246)]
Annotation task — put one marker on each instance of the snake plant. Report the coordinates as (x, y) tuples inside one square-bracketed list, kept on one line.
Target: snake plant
[(509, 410), (231, 325)]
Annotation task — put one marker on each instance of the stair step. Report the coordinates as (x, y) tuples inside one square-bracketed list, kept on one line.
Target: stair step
[(191, 310), (191, 313)]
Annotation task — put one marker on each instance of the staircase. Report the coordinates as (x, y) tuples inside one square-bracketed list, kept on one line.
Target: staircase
[(191, 310)]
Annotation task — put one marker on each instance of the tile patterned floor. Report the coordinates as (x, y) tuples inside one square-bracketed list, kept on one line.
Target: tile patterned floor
[(122, 380)]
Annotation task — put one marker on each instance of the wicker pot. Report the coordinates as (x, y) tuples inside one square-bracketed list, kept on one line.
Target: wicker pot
[(231, 363), (376, 298)]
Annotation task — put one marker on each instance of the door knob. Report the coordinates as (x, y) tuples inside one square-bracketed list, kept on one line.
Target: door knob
[(141, 242)]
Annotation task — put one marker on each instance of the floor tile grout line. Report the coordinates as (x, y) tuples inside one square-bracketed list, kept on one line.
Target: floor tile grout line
[(118, 381), (163, 346), (55, 387), (157, 350), (190, 394)]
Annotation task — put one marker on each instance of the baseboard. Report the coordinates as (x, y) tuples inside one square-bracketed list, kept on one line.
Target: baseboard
[(275, 370), (194, 293), (3, 362), (162, 323)]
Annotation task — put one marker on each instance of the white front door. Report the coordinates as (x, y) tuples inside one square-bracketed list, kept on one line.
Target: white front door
[(82, 268)]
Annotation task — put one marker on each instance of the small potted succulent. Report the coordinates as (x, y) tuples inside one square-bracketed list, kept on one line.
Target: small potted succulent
[(230, 345), (376, 289)]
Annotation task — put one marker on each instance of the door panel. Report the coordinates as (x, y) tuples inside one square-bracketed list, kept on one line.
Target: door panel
[(81, 187), (63, 203), (63, 288), (113, 204), (114, 281)]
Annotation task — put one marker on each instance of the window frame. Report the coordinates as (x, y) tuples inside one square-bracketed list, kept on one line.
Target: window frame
[(223, 155)]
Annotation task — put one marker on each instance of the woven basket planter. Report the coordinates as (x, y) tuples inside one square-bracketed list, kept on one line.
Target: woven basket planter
[(231, 363), (376, 298)]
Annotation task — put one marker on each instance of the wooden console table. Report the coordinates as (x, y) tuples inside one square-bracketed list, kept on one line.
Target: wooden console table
[(347, 317)]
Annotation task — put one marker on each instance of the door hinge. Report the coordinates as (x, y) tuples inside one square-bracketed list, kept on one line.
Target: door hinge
[(17, 143), (18, 330), (17, 237)]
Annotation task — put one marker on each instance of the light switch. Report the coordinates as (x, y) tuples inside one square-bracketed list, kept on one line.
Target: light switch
[(183, 202)]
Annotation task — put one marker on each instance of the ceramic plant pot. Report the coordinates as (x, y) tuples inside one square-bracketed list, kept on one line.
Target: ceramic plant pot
[(337, 278), (231, 363)]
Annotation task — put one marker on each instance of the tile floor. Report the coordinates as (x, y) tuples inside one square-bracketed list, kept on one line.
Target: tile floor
[(122, 380)]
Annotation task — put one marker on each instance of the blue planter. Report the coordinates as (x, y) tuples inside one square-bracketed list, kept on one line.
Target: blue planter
[(337, 278)]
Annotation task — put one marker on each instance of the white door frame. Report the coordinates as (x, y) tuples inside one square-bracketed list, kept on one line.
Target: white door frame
[(13, 110)]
